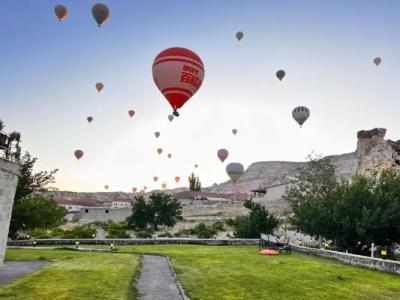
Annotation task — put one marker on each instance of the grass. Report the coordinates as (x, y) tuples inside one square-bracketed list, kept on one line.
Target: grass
[(206, 272), (238, 272), (74, 275)]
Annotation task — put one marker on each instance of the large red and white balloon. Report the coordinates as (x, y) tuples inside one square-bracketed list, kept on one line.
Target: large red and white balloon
[(178, 73)]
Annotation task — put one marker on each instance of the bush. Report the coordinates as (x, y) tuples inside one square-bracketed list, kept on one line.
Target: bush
[(165, 234), (117, 230), (39, 233), (79, 232), (144, 234), (218, 226), (203, 231)]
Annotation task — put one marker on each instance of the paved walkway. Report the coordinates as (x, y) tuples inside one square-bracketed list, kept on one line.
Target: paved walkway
[(13, 269), (157, 281)]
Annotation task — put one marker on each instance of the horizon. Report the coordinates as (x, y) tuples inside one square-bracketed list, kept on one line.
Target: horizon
[(51, 67)]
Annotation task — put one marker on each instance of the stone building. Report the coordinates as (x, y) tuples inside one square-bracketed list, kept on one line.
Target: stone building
[(9, 173)]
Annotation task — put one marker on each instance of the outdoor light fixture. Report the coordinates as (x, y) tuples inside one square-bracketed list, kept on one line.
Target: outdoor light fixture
[(76, 244), (112, 246), (34, 243)]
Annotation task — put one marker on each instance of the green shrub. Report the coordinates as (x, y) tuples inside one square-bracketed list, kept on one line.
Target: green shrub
[(218, 226), (144, 234), (39, 233), (79, 232), (117, 230), (165, 234)]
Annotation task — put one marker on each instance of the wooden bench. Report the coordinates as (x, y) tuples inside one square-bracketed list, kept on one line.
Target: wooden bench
[(274, 243)]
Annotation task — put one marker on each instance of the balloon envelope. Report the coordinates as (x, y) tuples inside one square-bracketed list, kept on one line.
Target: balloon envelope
[(131, 113), (157, 134), (234, 131), (61, 12), (177, 178), (178, 73), (89, 119), (100, 13), (169, 155), (78, 154), (106, 187), (159, 150), (377, 61), (280, 74), (155, 178), (164, 186), (170, 118), (134, 190), (196, 165), (300, 114), (235, 171), (99, 86), (222, 154), (239, 35)]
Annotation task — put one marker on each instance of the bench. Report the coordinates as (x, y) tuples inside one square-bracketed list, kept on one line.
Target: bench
[(274, 243)]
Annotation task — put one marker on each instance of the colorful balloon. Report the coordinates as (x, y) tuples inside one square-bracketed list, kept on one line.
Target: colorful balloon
[(280, 74), (235, 171), (99, 86), (177, 178), (178, 73), (164, 186), (106, 186), (61, 12), (234, 131), (100, 13), (222, 154), (157, 134), (155, 178), (78, 154), (300, 114), (89, 119), (170, 118), (159, 150), (377, 61), (239, 35), (131, 113)]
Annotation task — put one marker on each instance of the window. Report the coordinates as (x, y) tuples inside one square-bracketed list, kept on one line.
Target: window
[(86, 210), (106, 211)]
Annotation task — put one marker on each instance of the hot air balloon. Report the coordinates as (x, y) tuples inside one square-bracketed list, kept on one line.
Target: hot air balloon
[(178, 73), (145, 187), (100, 13), (78, 154), (301, 114), (89, 119), (169, 155), (177, 178), (239, 35), (155, 178), (131, 113), (134, 190), (234, 131), (170, 118), (235, 171), (61, 12), (377, 61), (159, 150), (99, 86), (164, 186), (222, 154), (280, 74), (157, 134), (196, 166), (106, 186)]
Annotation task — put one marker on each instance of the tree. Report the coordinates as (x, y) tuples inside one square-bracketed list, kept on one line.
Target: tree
[(259, 220), (37, 212), (28, 183), (350, 213), (162, 209), (11, 144), (194, 183)]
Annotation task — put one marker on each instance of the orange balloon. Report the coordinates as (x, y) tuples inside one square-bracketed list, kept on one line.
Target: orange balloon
[(159, 150), (177, 178), (61, 12)]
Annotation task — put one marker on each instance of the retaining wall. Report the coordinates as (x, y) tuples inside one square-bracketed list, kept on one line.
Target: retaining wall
[(384, 265)]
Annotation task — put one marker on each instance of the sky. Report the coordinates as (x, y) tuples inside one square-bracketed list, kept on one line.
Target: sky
[(49, 70)]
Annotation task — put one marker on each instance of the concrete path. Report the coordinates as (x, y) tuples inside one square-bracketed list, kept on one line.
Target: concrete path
[(157, 280), (14, 269)]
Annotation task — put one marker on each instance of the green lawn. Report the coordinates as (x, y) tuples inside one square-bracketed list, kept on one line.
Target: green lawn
[(206, 272), (74, 275)]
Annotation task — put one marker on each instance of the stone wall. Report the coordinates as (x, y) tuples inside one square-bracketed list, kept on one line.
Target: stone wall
[(353, 259), (9, 172)]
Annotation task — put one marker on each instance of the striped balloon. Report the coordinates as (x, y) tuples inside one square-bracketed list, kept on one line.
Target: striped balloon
[(178, 74), (301, 114), (235, 171)]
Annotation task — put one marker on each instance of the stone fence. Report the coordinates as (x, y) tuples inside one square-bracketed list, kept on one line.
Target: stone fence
[(157, 241), (384, 265)]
